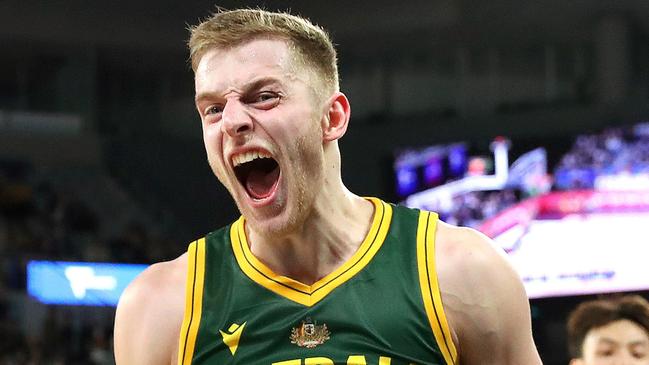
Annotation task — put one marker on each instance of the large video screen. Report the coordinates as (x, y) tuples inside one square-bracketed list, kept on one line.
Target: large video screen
[(577, 242), (576, 225)]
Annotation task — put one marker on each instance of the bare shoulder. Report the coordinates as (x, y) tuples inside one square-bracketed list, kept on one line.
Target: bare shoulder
[(472, 274), (484, 299), (466, 253), (150, 313)]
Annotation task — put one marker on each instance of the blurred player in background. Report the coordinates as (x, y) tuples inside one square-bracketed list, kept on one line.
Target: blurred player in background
[(610, 332), (311, 273)]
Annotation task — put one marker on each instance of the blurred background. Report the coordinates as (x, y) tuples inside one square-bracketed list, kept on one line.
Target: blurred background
[(524, 119)]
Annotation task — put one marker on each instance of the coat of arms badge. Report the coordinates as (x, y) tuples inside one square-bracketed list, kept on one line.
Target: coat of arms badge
[(309, 334)]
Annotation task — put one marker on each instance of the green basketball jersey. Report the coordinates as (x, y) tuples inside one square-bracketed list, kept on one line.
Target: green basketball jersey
[(381, 307)]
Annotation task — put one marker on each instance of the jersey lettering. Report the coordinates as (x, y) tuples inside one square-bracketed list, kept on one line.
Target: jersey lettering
[(356, 360), (351, 360)]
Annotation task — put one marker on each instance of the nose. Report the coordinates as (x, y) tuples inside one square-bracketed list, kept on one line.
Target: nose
[(235, 119)]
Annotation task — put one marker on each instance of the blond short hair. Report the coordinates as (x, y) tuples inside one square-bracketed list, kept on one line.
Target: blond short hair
[(230, 28)]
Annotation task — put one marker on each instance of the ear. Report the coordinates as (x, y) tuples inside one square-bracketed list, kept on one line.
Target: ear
[(334, 125)]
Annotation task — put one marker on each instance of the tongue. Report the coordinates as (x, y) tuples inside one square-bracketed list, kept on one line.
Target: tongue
[(260, 184)]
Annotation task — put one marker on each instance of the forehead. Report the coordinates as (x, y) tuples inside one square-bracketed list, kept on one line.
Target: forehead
[(621, 331), (221, 68)]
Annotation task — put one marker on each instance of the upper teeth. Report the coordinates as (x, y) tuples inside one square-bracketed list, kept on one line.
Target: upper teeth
[(248, 156)]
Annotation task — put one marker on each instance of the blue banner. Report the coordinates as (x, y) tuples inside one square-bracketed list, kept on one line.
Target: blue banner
[(79, 283)]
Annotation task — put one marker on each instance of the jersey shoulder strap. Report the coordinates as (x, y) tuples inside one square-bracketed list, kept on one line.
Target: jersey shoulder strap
[(193, 301), (430, 291)]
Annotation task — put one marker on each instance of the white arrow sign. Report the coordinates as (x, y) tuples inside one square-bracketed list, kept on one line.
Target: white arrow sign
[(83, 278)]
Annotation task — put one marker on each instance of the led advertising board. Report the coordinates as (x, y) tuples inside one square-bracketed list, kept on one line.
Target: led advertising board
[(79, 283)]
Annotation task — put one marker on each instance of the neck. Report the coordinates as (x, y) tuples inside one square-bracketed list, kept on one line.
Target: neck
[(331, 234)]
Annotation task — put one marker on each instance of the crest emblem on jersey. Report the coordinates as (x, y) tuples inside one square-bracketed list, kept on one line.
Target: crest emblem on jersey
[(309, 334)]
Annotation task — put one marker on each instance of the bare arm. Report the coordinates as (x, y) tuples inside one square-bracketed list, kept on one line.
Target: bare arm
[(484, 299), (149, 316)]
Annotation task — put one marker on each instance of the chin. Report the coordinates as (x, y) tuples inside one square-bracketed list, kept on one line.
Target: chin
[(285, 223), (274, 227), (284, 215)]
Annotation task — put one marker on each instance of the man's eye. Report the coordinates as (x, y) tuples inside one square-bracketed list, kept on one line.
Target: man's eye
[(265, 100), (266, 96), (605, 353), (214, 109), (639, 352)]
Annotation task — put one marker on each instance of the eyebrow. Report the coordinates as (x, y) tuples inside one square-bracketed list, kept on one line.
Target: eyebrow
[(607, 340), (639, 343), (614, 342), (252, 85)]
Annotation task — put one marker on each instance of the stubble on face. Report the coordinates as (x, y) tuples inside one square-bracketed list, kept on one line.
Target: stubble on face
[(304, 182), (300, 130), (303, 174)]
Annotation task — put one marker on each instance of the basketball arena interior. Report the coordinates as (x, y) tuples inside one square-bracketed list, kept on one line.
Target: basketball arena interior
[(526, 120)]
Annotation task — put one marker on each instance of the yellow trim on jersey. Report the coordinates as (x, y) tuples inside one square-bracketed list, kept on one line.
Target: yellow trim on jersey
[(193, 301), (430, 287), (309, 295)]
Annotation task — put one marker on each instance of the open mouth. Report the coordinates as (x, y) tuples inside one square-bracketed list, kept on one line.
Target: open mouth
[(257, 172)]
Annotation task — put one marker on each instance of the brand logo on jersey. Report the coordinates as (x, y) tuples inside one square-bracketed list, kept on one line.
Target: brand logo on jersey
[(309, 334), (231, 337)]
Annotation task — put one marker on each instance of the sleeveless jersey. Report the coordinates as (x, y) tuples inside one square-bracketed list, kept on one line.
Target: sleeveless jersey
[(383, 306)]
